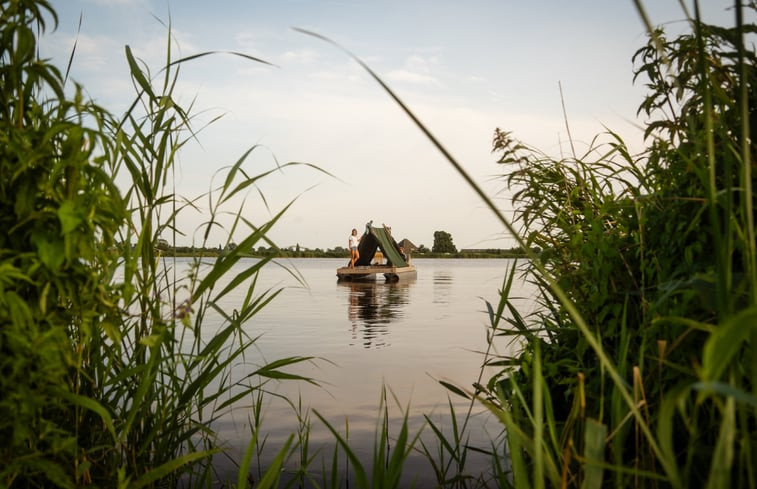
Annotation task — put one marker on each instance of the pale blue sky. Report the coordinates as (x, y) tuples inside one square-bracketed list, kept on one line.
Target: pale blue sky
[(463, 67)]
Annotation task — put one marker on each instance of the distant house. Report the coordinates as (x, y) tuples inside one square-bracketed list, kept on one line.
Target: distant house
[(490, 251), (407, 245), (297, 248)]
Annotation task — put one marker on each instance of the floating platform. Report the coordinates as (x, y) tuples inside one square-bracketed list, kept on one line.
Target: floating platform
[(369, 272)]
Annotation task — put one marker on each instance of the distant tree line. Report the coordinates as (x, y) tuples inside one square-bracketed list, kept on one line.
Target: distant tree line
[(443, 247), (339, 252)]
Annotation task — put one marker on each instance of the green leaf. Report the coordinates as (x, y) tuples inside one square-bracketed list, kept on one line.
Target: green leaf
[(595, 434), (170, 467), (725, 343), (69, 216), (723, 455), (137, 74), (50, 249), (725, 390), (361, 477), (273, 474), (150, 340), (453, 388), (93, 406), (272, 371), (54, 472)]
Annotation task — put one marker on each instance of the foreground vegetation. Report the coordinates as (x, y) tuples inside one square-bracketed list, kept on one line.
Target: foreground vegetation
[(638, 370), (105, 358)]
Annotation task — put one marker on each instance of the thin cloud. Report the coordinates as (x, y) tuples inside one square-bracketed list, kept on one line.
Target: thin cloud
[(248, 41), (405, 76), (113, 3), (306, 57), (92, 52), (417, 70)]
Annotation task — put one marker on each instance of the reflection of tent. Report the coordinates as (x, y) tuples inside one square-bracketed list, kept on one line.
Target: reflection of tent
[(374, 307), (379, 238)]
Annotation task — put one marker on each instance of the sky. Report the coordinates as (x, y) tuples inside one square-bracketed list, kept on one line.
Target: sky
[(464, 69)]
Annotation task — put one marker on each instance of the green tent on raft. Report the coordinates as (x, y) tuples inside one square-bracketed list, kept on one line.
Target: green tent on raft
[(376, 238)]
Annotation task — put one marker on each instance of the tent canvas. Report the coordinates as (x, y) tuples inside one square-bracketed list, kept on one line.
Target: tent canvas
[(376, 238)]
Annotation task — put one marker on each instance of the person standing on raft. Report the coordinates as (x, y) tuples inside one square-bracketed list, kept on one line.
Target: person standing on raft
[(354, 240)]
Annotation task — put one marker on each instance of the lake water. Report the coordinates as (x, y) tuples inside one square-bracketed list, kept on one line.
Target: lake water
[(404, 335)]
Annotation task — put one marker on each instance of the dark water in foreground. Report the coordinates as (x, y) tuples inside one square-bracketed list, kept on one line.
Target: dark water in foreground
[(406, 336)]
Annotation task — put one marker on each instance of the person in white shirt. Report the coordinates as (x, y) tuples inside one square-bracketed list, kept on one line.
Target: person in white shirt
[(354, 240)]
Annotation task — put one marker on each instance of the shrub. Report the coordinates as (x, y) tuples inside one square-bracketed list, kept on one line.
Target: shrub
[(641, 373)]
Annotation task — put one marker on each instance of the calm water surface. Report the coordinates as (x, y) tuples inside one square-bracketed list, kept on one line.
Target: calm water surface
[(406, 336)]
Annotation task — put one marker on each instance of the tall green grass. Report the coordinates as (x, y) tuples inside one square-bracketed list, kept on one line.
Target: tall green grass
[(109, 377), (655, 253)]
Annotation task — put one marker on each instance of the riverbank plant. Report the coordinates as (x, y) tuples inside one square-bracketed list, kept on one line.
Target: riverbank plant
[(112, 374), (654, 386), (60, 215)]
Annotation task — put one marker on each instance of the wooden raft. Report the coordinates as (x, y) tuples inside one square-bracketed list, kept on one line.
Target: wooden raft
[(369, 272)]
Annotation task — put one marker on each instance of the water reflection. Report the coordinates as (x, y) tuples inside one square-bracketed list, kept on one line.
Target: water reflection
[(442, 287), (372, 307)]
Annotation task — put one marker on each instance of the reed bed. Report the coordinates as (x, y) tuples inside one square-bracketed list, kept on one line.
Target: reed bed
[(109, 377)]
